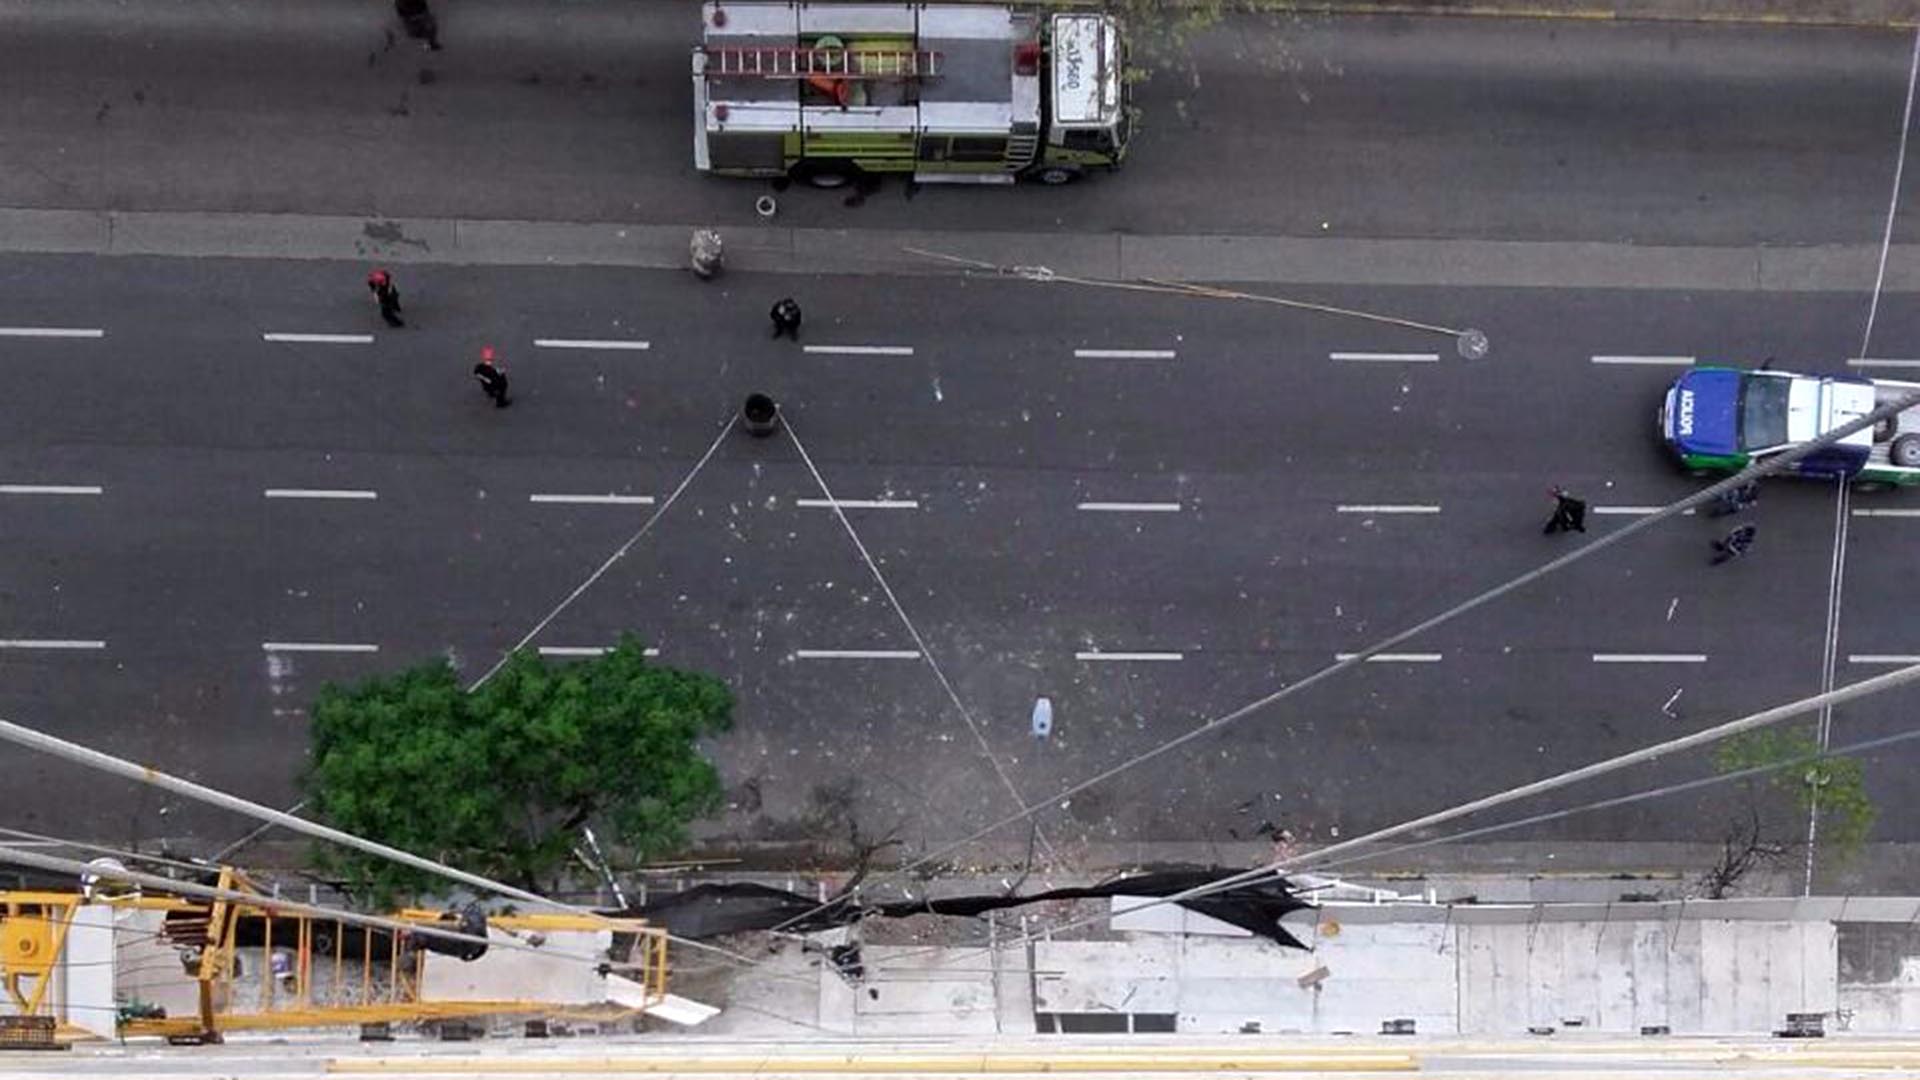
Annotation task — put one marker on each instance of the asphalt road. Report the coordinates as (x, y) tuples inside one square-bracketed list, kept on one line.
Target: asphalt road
[(410, 519), (1306, 126)]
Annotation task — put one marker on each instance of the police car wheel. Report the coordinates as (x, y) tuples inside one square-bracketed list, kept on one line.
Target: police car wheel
[(1905, 451)]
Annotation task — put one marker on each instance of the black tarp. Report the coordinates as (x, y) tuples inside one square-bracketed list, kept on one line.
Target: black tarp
[(706, 911)]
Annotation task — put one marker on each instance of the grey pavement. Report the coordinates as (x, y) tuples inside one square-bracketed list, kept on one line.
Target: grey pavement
[(1392, 126), (996, 432)]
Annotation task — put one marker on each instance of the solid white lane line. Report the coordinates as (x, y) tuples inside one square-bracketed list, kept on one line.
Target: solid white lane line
[(319, 493), (1124, 354), (1649, 658), (1394, 657), (861, 350), (1636, 511), (860, 504), (1130, 508), (49, 643), (1385, 508), (857, 654), (595, 500), (588, 343), (320, 339), (1097, 655), (586, 650), (1882, 658), (50, 332), (1647, 361), (1886, 513), (1869, 361), (317, 646), (1387, 357), (49, 489)]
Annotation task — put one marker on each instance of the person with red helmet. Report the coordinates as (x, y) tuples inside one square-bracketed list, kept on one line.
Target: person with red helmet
[(387, 294), (492, 379)]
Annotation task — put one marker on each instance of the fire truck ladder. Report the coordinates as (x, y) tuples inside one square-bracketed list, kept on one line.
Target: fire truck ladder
[(777, 62)]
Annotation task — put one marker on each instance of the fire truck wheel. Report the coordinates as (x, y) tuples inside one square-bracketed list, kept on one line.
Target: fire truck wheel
[(1057, 174), (1905, 451)]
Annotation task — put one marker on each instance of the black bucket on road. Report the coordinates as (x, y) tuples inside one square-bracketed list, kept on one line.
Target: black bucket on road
[(761, 415)]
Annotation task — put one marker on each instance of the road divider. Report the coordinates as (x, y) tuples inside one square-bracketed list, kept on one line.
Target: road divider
[(318, 339), (1096, 656), (856, 654), (594, 500), (49, 489), (50, 643), (591, 343)]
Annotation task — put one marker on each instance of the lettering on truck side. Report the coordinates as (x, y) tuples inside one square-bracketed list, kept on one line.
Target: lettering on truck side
[(1685, 424)]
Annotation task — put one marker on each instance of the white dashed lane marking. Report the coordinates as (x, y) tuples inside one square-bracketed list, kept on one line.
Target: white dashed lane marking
[(1649, 658), (1646, 361), (51, 332), (1130, 507), (1097, 656), (49, 489), (595, 500), (860, 350), (319, 493), (49, 643), (319, 339), (1632, 511), (590, 343), (318, 646), (1886, 513), (1385, 508), (1869, 361), (1124, 354), (585, 650), (1386, 357), (1883, 658), (860, 504), (1395, 657), (856, 654)]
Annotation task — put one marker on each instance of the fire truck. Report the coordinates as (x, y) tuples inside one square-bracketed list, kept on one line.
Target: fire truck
[(954, 93)]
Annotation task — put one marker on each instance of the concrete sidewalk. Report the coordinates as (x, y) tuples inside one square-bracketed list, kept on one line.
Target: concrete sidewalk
[(773, 248)]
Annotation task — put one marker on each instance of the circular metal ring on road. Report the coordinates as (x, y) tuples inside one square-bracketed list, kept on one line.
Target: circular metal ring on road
[(765, 206), (1472, 344)]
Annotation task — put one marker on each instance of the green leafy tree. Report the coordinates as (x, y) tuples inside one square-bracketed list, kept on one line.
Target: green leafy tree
[(1809, 780), (501, 781)]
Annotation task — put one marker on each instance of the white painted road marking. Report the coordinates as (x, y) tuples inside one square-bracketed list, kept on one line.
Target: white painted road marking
[(49, 489), (1387, 357), (1394, 657), (319, 493), (1636, 511), (861, 504), (1647, 361), (1886, 513), (1124, 656), (861, 350), (1882, 658), (1385, 508), (49, 643), (1649, 658), (320, 339), (1868, 361), (586, 650), (1130, 508), (1124, 354), (50, 332), (317, 646), (586, 343), (856, 654), (595, 500)]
